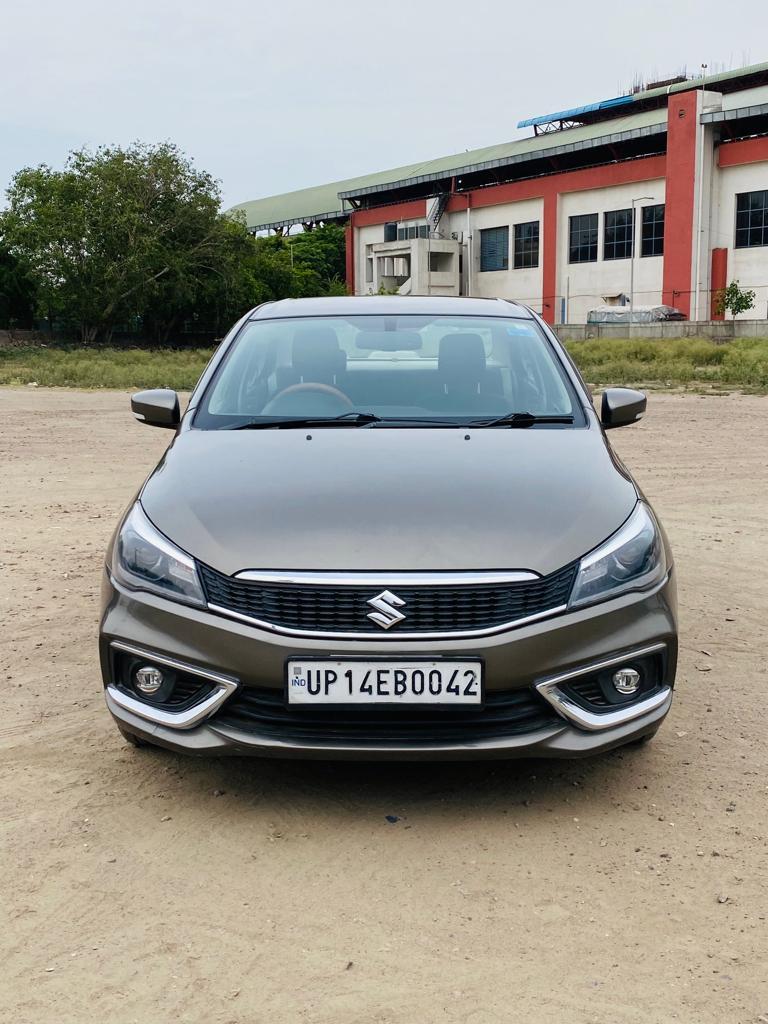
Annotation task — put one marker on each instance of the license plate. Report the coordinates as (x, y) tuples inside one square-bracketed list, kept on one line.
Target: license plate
[(384, 682)]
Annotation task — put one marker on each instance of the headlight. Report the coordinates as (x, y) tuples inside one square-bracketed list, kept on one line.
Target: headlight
[(146, 560), (632, 559)]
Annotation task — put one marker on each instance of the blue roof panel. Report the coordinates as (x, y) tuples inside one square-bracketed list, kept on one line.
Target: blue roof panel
[(569, 115)]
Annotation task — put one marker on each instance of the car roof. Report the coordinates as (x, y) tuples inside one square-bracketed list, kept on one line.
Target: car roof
[(378, 305)]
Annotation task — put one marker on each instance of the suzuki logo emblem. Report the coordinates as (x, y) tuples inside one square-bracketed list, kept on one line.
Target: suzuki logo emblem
[(386, 604)]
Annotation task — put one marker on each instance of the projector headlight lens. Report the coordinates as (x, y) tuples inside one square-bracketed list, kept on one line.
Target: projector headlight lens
[(632, 559), (144, 559)]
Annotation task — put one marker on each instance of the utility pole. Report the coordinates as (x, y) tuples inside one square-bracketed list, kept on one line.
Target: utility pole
[(638, 199)]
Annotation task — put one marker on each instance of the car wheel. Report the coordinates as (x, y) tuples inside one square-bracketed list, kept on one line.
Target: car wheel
[(132, 738)]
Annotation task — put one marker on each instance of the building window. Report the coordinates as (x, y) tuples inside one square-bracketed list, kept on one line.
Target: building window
[(582, 238), (390, 231), (494, 249), (618, 235), (751, 219), (652, 231), (408, 231), (526, 245)]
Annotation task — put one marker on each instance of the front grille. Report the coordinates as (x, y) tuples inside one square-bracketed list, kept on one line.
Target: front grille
[(264, 711), (319, 608)]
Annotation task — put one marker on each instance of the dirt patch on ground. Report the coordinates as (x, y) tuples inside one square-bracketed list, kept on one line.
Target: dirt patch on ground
[(147, 887)]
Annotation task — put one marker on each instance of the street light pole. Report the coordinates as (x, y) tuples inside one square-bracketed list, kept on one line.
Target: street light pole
[(637, 199)]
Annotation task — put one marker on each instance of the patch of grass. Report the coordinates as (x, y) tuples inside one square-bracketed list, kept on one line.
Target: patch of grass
[(104, 367), (741, 363), (674, 362)]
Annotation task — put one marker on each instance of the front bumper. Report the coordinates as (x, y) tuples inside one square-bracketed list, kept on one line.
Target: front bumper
[(537, 657)]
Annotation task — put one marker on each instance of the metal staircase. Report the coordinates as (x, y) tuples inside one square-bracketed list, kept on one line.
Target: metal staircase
[(437, 209)]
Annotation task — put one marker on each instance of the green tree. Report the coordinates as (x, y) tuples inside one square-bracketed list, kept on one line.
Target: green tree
[(212, 292), (734, 299), (120, 234), (17, 292), (297, 266)]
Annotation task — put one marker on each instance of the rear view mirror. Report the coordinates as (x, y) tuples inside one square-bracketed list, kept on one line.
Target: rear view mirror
[(621, 406), (157, 408), (388, 341)]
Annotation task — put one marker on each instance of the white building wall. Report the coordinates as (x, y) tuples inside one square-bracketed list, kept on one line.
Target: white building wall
[(524, 285), (363, 238), (748, 266), (586, 284)]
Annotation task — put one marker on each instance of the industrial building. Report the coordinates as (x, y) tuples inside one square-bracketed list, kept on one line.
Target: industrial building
[(656, 197)]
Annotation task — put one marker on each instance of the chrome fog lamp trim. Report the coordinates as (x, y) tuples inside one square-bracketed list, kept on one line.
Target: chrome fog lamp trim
[(594, 721), (187, 719)]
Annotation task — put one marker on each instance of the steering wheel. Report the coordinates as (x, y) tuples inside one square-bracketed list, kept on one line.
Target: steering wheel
[(310, 399)]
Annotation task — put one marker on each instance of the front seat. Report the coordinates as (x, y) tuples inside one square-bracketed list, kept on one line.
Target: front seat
[(462, 372), (316, 358)]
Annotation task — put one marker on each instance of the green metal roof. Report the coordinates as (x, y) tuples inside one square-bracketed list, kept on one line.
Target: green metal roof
[(308, 204), (568, 140), (326, 202), (323, 202)]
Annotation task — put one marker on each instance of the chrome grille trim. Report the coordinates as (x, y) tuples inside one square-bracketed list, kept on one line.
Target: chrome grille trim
[(383, 580)]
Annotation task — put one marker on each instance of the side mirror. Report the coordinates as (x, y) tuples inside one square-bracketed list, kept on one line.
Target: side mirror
[(621, 406), (157, 408)]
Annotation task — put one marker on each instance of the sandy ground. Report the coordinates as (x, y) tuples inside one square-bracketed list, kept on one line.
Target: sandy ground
[(141, 886)]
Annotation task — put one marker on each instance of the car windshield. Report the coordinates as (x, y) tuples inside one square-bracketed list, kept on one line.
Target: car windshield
[(437, 369)]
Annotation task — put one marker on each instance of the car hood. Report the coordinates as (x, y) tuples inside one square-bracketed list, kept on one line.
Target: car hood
[(389, 499)]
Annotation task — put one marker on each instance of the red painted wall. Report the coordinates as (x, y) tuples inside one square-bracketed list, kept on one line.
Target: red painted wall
[(742, 151), (549, 257), (397, 211), (719, 278), (678, 220)]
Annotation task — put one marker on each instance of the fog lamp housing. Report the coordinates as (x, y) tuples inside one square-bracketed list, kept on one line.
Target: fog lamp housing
[(626, 681)]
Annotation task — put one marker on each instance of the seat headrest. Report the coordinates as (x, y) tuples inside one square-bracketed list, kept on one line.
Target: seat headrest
[(461, 359), (316, 354)]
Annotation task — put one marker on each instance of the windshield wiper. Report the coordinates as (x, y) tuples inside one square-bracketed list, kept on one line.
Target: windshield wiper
[(520, 419), (347, 419)]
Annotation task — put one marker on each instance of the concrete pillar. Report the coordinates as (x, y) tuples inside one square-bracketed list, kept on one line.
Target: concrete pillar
[(689, 173)]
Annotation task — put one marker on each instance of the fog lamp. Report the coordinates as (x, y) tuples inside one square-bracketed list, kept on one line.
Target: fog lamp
[(148, 679), (626, 680)]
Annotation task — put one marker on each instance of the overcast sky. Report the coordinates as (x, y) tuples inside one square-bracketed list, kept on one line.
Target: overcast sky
[(279, 96)]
